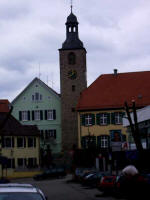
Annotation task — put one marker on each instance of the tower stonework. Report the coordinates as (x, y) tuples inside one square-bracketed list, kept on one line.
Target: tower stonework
[(72, 81)]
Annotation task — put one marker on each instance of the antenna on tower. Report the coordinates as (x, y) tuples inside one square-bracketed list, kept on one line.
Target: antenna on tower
[(47, 79), (39, 71), (52, 80)]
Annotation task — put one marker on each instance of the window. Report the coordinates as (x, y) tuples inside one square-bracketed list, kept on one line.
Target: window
[(8, 142), (104, 141), (11, 163), (71, 58), (118, 118), (24, 115), (73, 109), (88, 141), (32, 162), (88, 120), (50, 134), (116, 135), (50, 114), (37, 114), (73, 88), (21, 162), (31, 142), (37, 97), (21, 142), (103, 119)]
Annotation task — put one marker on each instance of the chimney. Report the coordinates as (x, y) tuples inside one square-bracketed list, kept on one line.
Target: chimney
[(115, 72)]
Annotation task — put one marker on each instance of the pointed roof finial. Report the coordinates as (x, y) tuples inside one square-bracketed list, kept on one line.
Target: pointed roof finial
[(71, 6)]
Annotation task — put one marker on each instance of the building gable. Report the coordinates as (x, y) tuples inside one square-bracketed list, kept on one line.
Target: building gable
[(34, 86)]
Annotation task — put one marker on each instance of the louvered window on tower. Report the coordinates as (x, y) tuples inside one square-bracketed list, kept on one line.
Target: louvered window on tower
[(71, 58)]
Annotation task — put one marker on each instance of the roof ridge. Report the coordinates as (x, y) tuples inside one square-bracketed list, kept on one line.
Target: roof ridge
[(35, 79)]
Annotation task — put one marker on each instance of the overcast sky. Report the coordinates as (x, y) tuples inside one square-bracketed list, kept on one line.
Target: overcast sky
[(115, 33)]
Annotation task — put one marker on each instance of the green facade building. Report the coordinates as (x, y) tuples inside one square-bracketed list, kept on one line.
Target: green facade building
[(40, 105)]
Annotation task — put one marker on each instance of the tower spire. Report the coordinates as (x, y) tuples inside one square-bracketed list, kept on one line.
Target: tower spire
[(72, 38), (71, 6)]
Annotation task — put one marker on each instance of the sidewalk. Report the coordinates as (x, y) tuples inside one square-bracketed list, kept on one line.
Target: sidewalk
[(23, 174)]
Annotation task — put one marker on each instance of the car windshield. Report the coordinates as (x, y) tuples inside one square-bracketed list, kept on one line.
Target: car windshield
[(20, 196)]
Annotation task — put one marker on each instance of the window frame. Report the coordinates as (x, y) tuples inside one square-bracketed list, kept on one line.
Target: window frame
[(5, 143), (50, 134), (33, 142), (50, 115), (24, 115), (23, 142), (37, 97), (104, 141), (103, 119), (37, 115), (118, 118), (23, 162), (88, 120)]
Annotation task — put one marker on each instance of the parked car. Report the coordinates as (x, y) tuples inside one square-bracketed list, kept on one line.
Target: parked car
[(80, 173), (94, 178), (132, 185), (51, 173), (13, 191), (107, 183), (4, 180)]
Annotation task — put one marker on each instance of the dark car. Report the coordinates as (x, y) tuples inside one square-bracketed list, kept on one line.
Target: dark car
[(16, 191), (137, 185), (4, 180), (80, 173), (94, 178), (51, 173), (107, 184)]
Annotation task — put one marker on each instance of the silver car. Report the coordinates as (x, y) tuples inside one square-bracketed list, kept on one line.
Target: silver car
[(17, 191)]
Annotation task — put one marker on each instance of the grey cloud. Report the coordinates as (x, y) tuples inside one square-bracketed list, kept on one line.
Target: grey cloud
[(115, 34)]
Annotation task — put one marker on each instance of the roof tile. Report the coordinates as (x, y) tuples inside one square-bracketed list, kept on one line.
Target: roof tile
[(111, 91)]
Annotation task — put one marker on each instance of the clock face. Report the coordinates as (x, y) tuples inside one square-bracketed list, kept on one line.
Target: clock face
[(72, 74)]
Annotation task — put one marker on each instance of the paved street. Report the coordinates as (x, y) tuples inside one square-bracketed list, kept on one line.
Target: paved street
[(59, 189)]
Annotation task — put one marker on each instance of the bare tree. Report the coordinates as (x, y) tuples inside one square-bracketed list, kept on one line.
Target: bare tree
[(134, 127)]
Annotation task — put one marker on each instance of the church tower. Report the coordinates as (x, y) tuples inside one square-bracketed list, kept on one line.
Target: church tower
[(72, 81)]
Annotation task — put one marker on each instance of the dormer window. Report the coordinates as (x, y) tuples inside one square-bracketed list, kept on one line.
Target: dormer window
[(37, 97)]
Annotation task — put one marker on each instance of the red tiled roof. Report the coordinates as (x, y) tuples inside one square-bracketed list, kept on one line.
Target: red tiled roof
[(111, 91), (4, 105), (14, 128)]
